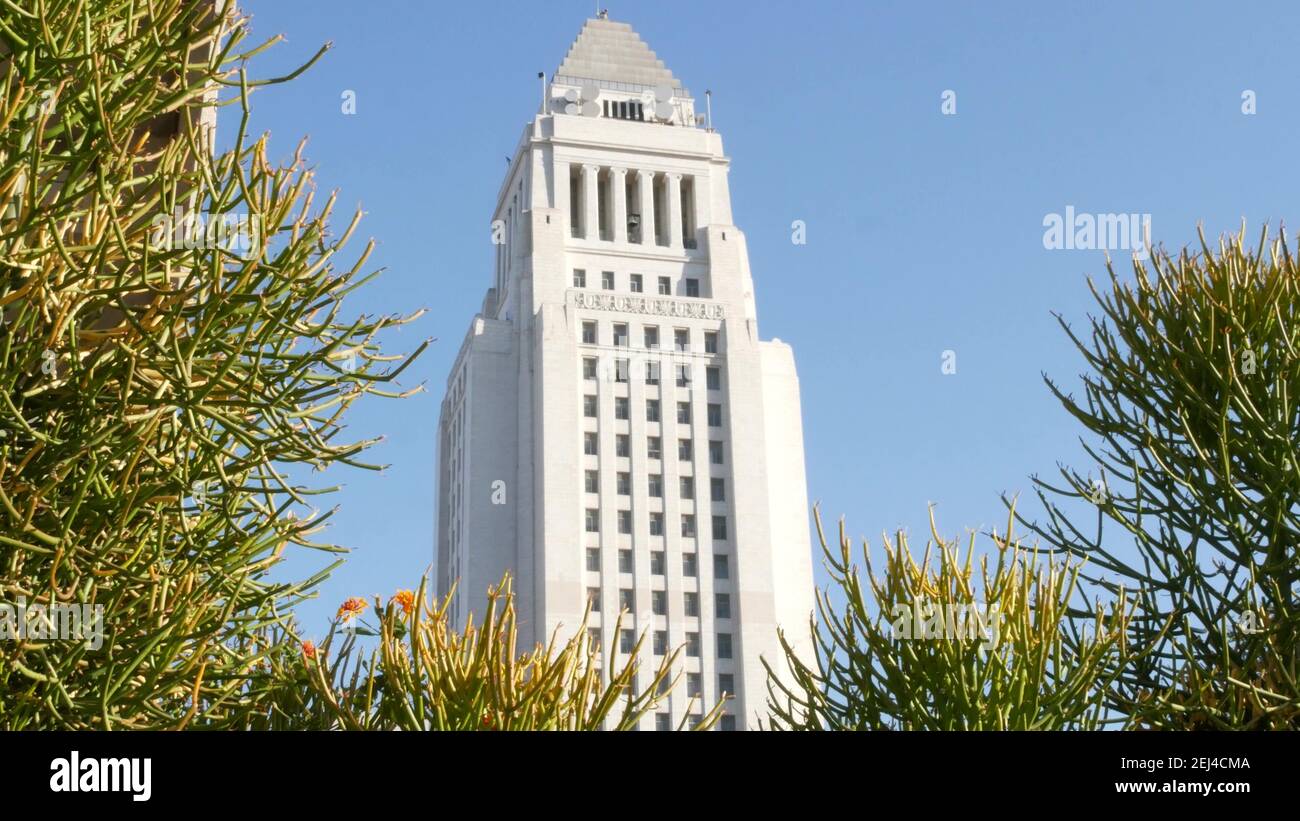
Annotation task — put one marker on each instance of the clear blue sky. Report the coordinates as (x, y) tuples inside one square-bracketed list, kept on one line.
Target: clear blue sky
[(924, 231)]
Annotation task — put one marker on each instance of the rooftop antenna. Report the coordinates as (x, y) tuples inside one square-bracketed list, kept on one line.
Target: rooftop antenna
[(708, 106), (663, 105), (583, 101), (541, 75)]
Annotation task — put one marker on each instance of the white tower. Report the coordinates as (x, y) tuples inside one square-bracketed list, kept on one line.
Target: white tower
[(614, 429)]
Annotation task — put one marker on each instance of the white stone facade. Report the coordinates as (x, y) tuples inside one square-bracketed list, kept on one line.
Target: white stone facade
[(561, 460)]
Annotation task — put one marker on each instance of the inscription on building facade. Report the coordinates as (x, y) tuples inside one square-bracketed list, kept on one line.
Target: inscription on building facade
[(658, 306)]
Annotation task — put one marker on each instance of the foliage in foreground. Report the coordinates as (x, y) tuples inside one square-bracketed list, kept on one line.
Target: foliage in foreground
[(1189, 408), (171, 363), (945, 644), (426, 675), (162, 393), (1190, 404)]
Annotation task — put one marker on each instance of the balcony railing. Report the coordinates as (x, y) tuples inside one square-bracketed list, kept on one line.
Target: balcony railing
[(613, 85)]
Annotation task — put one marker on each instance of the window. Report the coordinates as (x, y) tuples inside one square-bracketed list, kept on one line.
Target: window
[(658, 562), (691, 603), (625, 521), (727, 724), (622, 444), (626, 641), (654, 448), (593, 636), (593, 520), (620, 407), (661, 643), (589, 333), (684, 450), (651, 334), (625, 561), (589, 367), (659, 602), (656, 486), (626, 602), (682, 339), (620, 335), (687, 487), (593, 598), (722, 605), (593, 559), (624, 482), (721, 567), (683, 376), (688, 565), (715, 452), (607, 280), (589, 444), (665, 286), (713, 379), (664, 722), (692, 649), (621, 368), (688, 525), (727, 684), (694, 685), (579, 278), (683, 413), (710, 341), (724, 645), (693, 287), (652, 410), (592, 482), (656, 524), (715, 415), (718, 489), (652, 373), (634, 283), (589, 406), (719, 527)]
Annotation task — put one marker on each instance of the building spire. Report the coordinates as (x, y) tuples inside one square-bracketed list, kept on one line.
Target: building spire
[(606, 51)]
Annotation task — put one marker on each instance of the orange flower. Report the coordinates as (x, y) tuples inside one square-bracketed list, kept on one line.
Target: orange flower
[(351, 608), (406, 599), (308, 650)]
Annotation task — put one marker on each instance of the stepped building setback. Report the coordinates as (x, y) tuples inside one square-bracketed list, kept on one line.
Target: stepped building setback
[(614, 430)]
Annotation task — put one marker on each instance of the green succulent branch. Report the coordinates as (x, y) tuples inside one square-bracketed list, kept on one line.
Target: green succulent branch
[(946, 644), (174, 356), (1189, 401), (424, 674)]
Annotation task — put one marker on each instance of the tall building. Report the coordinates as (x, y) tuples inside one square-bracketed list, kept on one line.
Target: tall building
[(614, 431)]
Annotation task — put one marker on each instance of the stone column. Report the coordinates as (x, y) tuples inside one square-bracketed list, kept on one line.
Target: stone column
[(618, 186), (590, 202), (646, 181), (675, 211)]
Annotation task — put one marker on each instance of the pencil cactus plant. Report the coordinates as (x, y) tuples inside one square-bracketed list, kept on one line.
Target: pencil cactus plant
[(948, 643), (174, 358), (1192, 500), (424, 674)]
